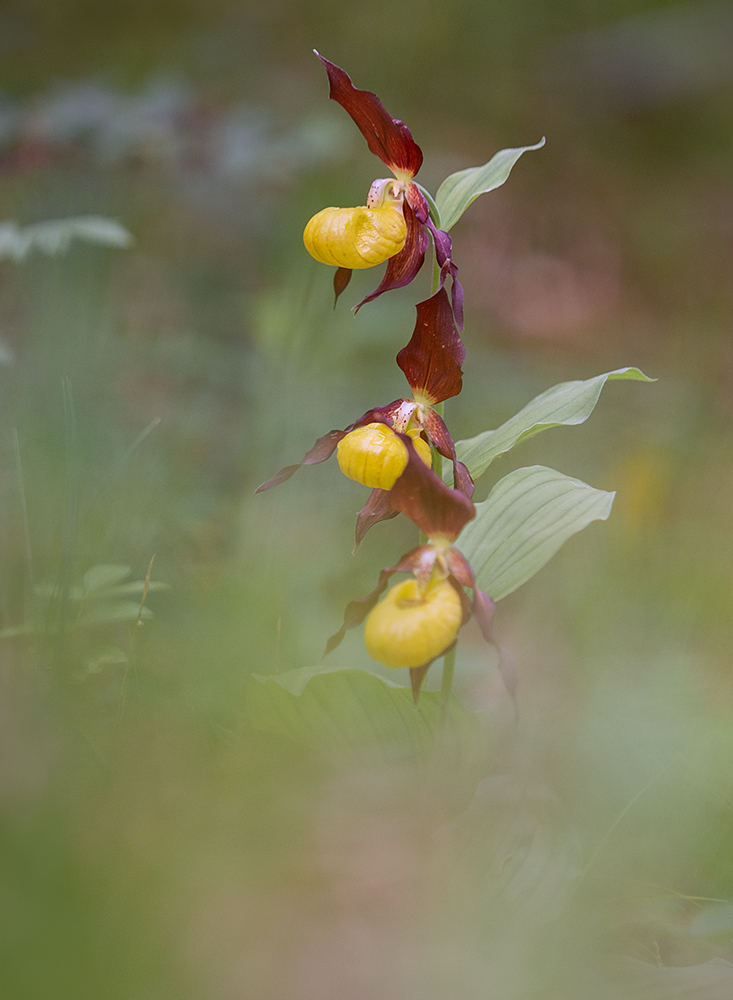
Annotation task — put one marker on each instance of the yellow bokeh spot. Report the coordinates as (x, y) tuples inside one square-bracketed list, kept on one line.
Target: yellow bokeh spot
[(355, 237), (408, 628), (375, 457)]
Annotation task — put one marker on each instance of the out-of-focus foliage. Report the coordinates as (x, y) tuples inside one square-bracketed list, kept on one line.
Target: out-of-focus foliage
[(154, 843)]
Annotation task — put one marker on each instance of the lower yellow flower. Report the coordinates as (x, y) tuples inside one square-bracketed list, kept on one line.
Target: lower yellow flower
[(356, 237), (374, 456), (409, 628)]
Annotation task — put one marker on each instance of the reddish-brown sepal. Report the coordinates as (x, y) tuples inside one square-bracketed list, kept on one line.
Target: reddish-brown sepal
[(356, 611), (432, 359), (434, 507), (404, 266), (387, 137)]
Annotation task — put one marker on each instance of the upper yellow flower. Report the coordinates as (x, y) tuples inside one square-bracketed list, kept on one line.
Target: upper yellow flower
[(394, 224)]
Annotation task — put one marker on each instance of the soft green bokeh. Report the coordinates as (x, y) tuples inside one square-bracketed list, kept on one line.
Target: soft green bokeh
[(154, 843)]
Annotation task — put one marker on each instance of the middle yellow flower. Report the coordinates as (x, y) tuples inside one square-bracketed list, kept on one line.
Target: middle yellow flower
[(375, 457)]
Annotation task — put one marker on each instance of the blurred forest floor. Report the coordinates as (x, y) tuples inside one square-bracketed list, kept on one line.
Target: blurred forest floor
[(156, 845)]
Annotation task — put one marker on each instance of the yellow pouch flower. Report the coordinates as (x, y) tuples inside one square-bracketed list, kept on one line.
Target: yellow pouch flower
[(409, 628), (374, 456), (355, 237)]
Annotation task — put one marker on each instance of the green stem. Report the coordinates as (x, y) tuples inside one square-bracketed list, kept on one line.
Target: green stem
[(436, 456), (449, 660)]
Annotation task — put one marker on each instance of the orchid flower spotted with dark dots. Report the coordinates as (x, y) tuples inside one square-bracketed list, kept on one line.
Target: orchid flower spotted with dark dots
[(370, 450), (418, 620), (394, 224)]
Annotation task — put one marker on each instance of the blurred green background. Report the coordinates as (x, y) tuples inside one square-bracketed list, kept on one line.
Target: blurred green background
[(155, 844)]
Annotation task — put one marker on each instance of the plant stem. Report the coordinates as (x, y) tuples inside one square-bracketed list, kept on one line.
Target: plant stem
[(449, 660)]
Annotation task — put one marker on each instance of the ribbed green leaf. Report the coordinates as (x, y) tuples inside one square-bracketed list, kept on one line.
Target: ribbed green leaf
[(345, 712), (459, 190), (564, 404), (527, 517)]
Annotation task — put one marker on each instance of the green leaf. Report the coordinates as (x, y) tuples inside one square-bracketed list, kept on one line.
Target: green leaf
[(113, 611), (344, 712), (105, 575), (459, 190), (712, 980), (565, 404), (527, 517), (54, 236), (127, 590), (515, 846)]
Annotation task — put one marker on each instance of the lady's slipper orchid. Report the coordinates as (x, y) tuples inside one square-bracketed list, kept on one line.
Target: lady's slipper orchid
[(419, 620), (364, 236), (431, 362)]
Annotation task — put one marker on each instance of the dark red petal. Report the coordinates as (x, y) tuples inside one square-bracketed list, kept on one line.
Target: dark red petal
[(321, 450), (377, 508), (356, 611), (404, 266), (443, 244), (432, 360), (456, 295), (379, 415), (439, 435), (462, 479), (483, 611), (425, 499), (387, 137), (443, 251), (417, 676), (418, 203), (460, 569), (341, 279)]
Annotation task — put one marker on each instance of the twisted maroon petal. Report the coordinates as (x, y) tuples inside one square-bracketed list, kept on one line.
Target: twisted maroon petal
[(460, 568), (443, 251), (432, 360), (404, 266), (326, 445), (377, 508), (417, 676), (321, 450), (427, 501), (483, 611), (418, 203), (387, 137), (341, 279), (356, 611), (440, 436)]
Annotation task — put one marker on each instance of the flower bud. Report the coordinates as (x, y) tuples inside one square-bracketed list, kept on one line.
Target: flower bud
[(355, 237), (409, 628), (374, 456)]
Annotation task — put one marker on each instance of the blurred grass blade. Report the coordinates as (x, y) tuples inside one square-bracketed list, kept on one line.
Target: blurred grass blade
[(30, 583), (567, 403), (527, 517), (461, 189)]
